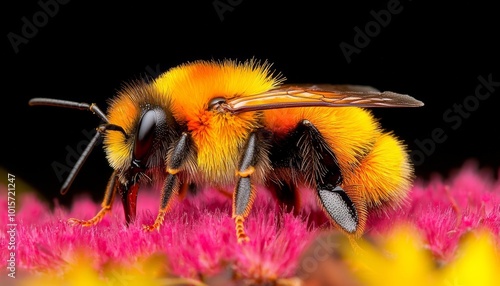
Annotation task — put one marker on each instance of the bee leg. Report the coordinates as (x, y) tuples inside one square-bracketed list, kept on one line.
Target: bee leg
[(181, 151), (339, 207), (170, 188), (106, 204), (244, 193), (320, 165)]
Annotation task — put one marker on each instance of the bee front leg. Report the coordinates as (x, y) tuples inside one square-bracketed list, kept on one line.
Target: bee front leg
[(244, 193), (183, 148), (106, 204)]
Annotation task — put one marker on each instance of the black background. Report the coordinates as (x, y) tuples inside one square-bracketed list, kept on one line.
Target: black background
[(432, 51)]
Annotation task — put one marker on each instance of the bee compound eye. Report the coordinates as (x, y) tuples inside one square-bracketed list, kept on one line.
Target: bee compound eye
[(145, 134), (216, 101)]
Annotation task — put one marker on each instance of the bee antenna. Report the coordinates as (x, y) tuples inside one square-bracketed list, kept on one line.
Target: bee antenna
[(112, 127), (69, 104), (78, 165), (101, 129)]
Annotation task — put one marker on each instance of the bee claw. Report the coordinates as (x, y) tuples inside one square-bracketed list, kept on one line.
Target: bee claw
[(93, 221), (75, 222), (242, 239), (157, 224), (240, 231), (150, 227)]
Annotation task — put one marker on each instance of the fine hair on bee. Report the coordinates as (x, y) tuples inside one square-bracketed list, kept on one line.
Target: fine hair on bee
[(236, 125)]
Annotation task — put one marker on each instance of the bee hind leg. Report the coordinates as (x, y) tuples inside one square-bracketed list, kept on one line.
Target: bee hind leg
[(339, 206), (344, 207)]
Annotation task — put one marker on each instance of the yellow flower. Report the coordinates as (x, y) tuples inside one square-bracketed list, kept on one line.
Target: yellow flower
[(401, 258), (151, 271), (477, 262)]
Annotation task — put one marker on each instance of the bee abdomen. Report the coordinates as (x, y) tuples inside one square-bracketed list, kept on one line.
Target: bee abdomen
[(383, 175)]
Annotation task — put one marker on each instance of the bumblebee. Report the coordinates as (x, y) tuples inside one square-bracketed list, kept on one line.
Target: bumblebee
[(232, 124)]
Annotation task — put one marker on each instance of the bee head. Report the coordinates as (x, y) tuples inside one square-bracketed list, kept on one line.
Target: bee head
[(149, 128)]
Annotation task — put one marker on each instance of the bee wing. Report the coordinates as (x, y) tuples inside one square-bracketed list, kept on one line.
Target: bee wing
[(336, 87), (300, 95)]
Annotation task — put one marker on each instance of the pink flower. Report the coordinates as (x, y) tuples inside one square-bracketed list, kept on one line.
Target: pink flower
[(197, 240), (197, 237)]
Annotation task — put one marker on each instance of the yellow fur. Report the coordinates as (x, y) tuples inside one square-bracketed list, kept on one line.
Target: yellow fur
[(384, 174), (216, 135), (123, 112)]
